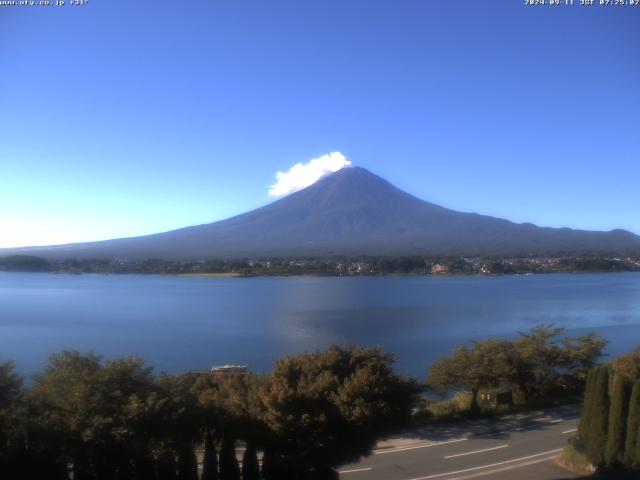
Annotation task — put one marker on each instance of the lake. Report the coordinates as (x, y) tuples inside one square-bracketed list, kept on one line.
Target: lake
[(184, 323)]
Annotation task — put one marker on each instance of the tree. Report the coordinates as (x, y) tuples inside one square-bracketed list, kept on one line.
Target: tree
[(618, 411), (597, 436), (486, 365), (10, 385), (539, 358), (636, 453), (540, 362), (328, 408), (87, 410), (239, 408), (544, 362), (10, 390), (584, 424), (581, 355), (229, 468), (210, 460), (61, 400), (24, 263), (250, 466), (272, 466), (633, 426), (175, 418), (187, 463), (628, 365), (239, 414), (166, 465), (144, 467)]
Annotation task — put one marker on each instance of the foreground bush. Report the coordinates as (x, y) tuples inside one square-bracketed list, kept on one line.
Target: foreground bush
[(329, 408), (103, 420)]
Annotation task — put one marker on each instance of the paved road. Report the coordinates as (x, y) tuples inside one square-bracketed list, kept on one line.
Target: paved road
[(514, 447)]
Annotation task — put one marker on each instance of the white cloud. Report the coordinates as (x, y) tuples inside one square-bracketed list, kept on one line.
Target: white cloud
[(302, 175)]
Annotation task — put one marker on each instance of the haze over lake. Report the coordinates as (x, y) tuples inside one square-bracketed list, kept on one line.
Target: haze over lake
[(184, 323)]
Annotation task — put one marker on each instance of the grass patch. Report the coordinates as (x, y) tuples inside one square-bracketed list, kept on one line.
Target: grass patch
[(433, 411), (574, 459), (212, 275)]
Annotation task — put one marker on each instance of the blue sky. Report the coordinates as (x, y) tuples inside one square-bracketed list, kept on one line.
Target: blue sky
[(122, 118)]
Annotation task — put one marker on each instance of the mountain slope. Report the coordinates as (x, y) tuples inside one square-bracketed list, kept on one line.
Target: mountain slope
[(355, 212)]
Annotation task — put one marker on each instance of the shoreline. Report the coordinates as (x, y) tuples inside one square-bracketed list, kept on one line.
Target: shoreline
[(328, 275)]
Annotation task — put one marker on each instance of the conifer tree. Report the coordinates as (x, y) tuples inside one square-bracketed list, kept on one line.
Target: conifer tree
[(250, 467), (229, 468), (618, 413), (633, 426), (597, 436), (166, 465), (143, 467), (269, 468), (585, 417), (635, 463), (210, 460), (274, 467), (187, 464)]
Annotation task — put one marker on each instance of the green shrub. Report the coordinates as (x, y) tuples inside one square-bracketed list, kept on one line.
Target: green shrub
[(574, 458), (453, 408)]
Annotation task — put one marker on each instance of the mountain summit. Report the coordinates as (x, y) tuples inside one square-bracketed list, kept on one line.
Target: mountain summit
[(350, 212)]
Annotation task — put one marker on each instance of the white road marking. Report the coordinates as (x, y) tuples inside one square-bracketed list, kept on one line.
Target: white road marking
[(356, 470), (424, 445), (488, 466), (542, 419), (503, 468), (477, 451), (571, 431), (558, 420)]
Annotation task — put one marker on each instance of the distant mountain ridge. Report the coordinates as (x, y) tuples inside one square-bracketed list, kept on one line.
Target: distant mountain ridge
[(350, 212)]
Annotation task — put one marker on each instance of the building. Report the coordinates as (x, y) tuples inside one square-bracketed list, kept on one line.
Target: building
[(439, 268), (222, 371), (226, 370)]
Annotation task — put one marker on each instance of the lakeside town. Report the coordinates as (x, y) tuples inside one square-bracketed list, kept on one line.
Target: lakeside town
[(332, 266)]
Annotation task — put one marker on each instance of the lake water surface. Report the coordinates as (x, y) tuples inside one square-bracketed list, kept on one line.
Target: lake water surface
[(183, 323)]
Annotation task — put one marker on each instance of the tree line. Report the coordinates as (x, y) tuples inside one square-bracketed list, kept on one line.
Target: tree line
[(541, 364), (609, 428), (94, 419), (98, 419)]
